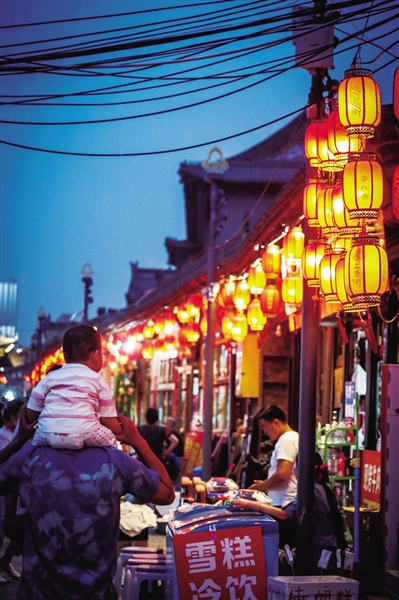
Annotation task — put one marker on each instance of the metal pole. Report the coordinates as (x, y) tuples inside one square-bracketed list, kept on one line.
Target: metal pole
[(307, 429), (356, 464), (210, 339)]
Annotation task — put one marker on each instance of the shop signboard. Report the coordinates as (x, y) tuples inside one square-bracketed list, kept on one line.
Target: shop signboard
[(193, 443), (350, 400), (225, 564), (371, 478)]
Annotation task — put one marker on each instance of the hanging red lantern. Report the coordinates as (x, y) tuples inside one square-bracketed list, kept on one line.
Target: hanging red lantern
[(363, 186), (147, 350), (271, 261), (160, 344), (311, 143), (242, 295), (270, 301), (328, 283), (326, 158), (359, 103), (366, 272), (256, 279), (194, 305), (255, 317), (158, 325), (148, 329), (293, 244), (227, 325), (325, 210), (182, 313), (169, 342), (338, 142), (291, 290), (239, 329), (226, 294), (310, 202), (340, 283), (193, 332), (347, 226), (312, 255), (169, 322)]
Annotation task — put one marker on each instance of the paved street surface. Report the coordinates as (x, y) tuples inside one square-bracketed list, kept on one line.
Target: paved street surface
[(8, 591)]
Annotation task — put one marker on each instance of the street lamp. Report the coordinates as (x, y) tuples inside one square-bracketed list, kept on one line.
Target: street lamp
[(87, 272), (214, 168)]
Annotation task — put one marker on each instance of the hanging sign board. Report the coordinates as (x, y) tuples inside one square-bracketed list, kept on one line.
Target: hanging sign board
[(370, 493), (222, 564)]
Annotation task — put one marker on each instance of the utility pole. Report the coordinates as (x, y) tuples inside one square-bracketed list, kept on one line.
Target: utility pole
[(87, 272), (214, 170)]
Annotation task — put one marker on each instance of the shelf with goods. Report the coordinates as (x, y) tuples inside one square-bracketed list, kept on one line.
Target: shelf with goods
[(338, 445)]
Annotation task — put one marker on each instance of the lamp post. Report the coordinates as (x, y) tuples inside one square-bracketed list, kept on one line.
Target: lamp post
[(215, 169), (87, 273)]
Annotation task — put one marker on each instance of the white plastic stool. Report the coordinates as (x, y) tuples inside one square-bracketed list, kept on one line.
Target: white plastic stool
[(141, 573), (126, 553)]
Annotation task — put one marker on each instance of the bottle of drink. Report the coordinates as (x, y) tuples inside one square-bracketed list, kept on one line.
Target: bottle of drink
[(334, 423), (341, 464)]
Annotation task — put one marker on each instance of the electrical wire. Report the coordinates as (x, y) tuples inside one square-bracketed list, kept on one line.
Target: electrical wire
[(154, 113), (154, 152)]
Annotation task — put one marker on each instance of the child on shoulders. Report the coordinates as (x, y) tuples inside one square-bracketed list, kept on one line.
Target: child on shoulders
[(73, 404)]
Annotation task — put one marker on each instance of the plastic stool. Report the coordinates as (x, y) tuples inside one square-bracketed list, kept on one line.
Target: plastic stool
[(131, 566), (125, 555), (141, 573)]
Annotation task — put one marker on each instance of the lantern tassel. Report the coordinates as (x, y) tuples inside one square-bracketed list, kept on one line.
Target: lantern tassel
[(342, 329), (369, 333)]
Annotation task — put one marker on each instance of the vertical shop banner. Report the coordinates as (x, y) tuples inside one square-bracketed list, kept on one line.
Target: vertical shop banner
[(226, 564), (371, 478), (193, 443)]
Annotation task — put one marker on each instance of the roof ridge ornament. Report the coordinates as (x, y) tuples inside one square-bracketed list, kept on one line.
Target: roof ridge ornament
[(215, 166)]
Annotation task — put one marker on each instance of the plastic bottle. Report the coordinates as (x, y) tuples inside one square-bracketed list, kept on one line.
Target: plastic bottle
[(333, 435), (332, 461), (341, 464)]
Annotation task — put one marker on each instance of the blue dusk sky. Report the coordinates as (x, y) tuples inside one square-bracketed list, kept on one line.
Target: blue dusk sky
[(60, 211)]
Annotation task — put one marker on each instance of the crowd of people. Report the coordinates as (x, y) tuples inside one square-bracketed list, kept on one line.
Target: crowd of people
[(62, 474)]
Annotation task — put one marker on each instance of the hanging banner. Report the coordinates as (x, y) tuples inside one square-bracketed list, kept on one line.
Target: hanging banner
[(371, 478), (227, 564), (193, 443)]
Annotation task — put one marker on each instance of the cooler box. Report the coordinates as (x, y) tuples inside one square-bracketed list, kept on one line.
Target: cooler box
[(312, 587), (228, 548)]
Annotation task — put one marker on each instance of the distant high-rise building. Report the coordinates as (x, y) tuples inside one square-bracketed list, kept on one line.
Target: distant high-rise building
[(8, 309)]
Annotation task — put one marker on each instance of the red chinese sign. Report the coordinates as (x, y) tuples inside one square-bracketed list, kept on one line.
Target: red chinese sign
[(228, 564), (371, 478)]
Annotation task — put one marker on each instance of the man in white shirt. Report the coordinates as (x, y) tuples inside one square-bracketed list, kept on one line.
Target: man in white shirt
[(281, 483)]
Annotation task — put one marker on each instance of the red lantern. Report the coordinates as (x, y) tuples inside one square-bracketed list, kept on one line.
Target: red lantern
[(239, 330), (226, 295), (363, 186), (328, 283), (326, 158), (293, 244), (193, 332), (169, 322), (311, 139), (312, 255), (270, 301), (340, 283), (359, 103), (227, 325), (256, 279), (310, 194), (242, 295), (347, 226), (148, 329), (291, 290), (338, 142), (325, 210), (182, 313), (194, 305), (366, 272), (255, 317), (271, 261)]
